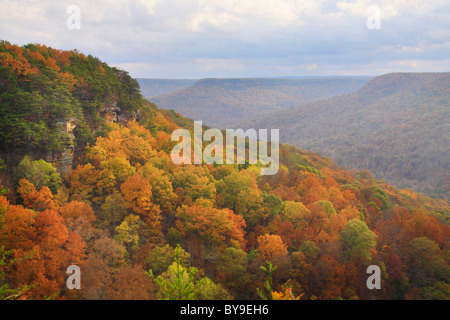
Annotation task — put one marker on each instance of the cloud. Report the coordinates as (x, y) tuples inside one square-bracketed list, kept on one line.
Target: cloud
[(197, 38), (311, 67)]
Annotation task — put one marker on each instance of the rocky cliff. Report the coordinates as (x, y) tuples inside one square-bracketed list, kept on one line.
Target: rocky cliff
[(63, 161)]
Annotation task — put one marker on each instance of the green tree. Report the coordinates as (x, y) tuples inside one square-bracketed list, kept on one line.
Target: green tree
[(233, 264), (206, 289), (5, 290), (266, 293), (113, 210), (294, 212), (127, 233), (160, 258), (229, 188), (357, 240), (427, 263), (178, 282), (39, 173), (196, 182)]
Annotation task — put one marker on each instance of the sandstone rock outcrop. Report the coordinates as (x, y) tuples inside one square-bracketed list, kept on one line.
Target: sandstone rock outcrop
[(63, 160), (112, 113)]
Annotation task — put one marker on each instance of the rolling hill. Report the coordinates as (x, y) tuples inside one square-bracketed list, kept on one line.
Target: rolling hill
[(397, 126), (141, 227), (218, 102)]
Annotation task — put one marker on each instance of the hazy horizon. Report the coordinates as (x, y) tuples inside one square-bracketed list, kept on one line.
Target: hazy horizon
[(286, 77), (266, 77)]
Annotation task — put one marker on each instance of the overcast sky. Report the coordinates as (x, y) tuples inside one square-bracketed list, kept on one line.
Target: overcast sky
[(241, 38)]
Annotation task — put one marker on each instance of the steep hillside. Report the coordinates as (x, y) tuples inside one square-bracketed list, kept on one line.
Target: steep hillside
[(140, 227), (52, 101), (398, 127), (155, 87), (218, 102)]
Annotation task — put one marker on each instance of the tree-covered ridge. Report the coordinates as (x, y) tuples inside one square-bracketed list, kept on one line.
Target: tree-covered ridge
[(397, 127), (219, 102), (41, 86), (123, 212), (141, 227)]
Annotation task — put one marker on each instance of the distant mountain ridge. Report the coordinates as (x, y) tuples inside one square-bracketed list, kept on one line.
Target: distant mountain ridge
[(397, 126), (219, 102), (204, 232), (155, 87)]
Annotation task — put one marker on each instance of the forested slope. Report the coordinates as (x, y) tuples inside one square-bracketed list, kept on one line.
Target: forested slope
[(398, 127), (141, 227)]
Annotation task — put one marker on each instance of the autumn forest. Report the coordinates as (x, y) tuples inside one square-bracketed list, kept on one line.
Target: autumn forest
[(86, 179)]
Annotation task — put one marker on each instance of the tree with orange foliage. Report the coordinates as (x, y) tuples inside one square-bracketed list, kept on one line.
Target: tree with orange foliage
[(36, 200), (42, 248), (205, 229), (82, 182), (162, 190), (130, 283), (271, 247), (327, 279), (76, 209), (79, 217), (286, 295), (311, 189), (137, 193), (133, 143)]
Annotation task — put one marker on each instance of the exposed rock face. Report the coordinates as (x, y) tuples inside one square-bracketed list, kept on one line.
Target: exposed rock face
[(63, 160), (125, 117), (68, 126), (112, 113)]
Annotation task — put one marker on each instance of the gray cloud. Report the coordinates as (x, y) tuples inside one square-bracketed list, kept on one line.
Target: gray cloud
[(238, 38)]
